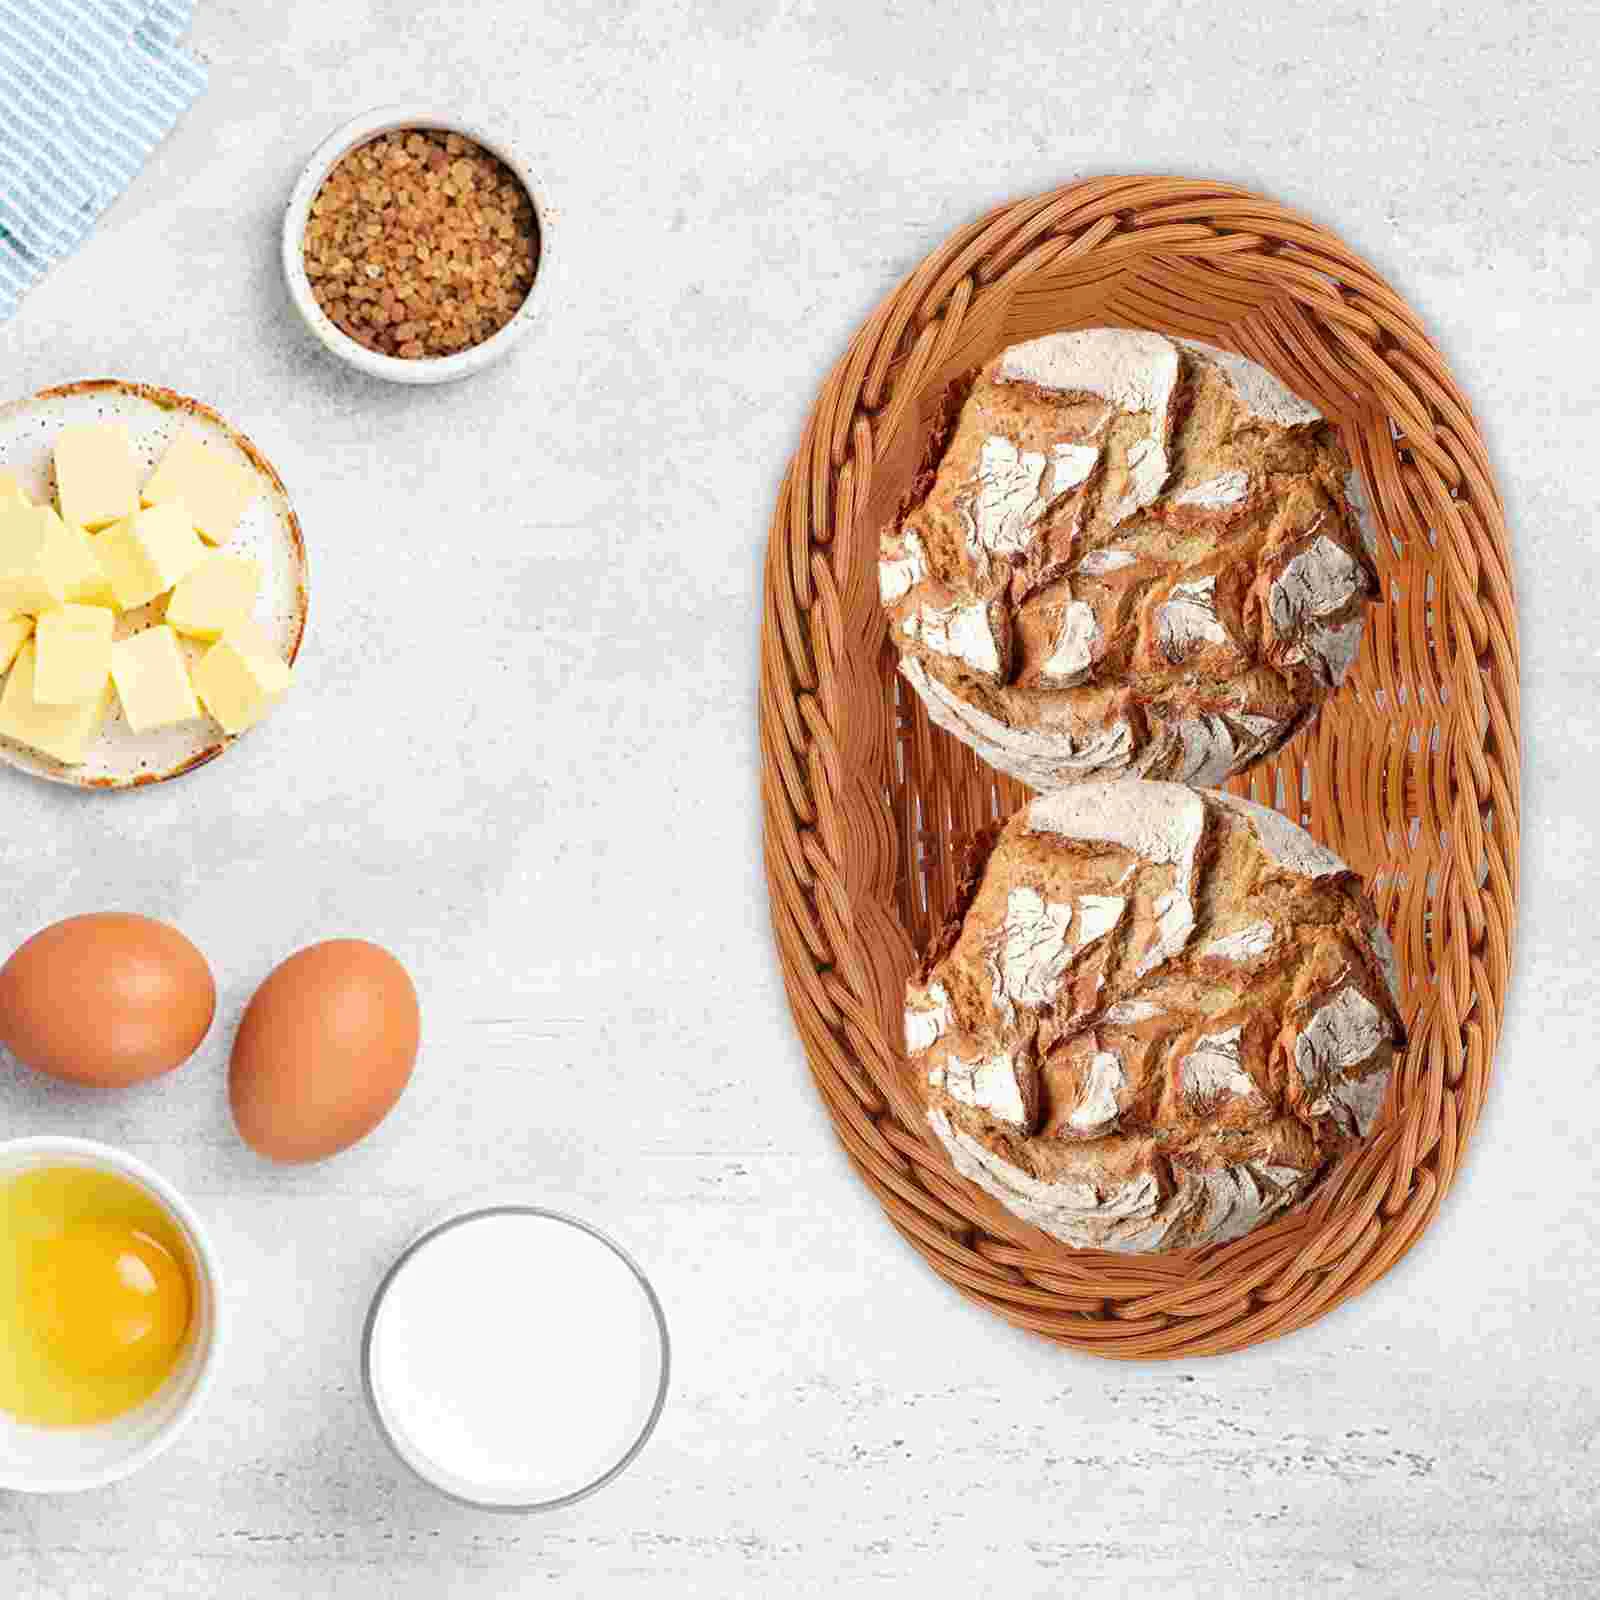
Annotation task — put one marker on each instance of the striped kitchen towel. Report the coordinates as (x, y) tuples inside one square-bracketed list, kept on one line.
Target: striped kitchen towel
[(88, 88)]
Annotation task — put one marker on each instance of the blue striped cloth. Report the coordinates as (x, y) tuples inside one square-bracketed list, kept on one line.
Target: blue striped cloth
[(88, 88)]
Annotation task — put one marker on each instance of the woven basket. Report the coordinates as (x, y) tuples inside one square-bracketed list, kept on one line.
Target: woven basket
[(1410, 773)]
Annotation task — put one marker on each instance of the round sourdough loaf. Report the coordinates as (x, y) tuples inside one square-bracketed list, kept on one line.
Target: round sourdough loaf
[(1157, 1016), (1137, 555)]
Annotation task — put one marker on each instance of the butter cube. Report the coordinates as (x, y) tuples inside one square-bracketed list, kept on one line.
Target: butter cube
[(146, 554), (10, 488), (17, 524), (152, 679), (62, 732), (96, 480), (217, 593), (215, 489), (14, 633), (72, 658), (69, 559), (28, 582), (241, 677)]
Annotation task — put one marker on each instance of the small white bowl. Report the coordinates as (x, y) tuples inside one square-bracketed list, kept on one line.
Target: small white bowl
[(37, 1460), (425, 369)]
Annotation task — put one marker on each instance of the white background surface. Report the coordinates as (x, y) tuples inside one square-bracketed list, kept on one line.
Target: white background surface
[(523, 754)]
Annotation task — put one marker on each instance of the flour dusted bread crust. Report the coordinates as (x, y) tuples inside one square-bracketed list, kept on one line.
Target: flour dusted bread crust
[(1137, 555), (1157, 1017)]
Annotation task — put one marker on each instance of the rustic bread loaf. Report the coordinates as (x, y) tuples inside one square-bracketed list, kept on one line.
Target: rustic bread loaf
[(1157, 1016), (1137, 556)]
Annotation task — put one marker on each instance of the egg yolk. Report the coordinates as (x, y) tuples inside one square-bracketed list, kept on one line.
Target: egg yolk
[(107, 1300)]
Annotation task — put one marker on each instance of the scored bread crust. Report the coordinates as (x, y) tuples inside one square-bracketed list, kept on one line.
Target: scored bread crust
[(1137, 555), (1156, 1017)]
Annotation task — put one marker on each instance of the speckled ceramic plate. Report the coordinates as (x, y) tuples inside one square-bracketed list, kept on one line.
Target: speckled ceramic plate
[(269, 530)]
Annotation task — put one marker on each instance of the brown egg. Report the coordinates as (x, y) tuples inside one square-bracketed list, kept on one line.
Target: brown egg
[(107, 1000), (324, 1051)]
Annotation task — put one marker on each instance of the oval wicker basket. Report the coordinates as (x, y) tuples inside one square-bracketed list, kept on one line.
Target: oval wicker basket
[(1410, 773)]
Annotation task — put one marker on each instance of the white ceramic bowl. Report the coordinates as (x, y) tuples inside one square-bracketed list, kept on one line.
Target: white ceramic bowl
[(60, 1460), (437, 369)]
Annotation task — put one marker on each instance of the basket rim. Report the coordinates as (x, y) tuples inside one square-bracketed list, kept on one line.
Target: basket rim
[(1323, 319)]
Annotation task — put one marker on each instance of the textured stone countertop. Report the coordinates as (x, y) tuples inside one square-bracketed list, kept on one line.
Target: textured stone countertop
[(523, 754)]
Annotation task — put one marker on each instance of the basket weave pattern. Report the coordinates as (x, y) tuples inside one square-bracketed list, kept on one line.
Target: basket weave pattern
[(1410, 773)]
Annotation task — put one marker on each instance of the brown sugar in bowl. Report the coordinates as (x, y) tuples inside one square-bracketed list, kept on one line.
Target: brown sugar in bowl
[(416, 245)]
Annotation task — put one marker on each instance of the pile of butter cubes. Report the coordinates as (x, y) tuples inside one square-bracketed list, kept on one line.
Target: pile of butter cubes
[(70, 571)]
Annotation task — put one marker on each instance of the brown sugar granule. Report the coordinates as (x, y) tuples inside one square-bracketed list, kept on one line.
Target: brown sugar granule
[(421, 244)]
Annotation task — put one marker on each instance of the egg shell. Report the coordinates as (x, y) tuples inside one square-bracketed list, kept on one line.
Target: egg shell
[(106, 1000), (326, 1046)]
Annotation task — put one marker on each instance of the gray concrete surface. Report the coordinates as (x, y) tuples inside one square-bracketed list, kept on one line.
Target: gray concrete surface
[(523, 754)]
